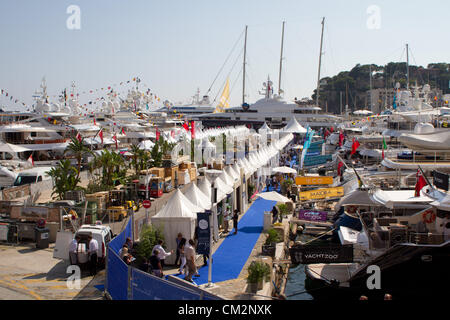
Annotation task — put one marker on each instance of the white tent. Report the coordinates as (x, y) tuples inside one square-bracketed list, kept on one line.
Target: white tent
[(222, 189), (233, 174), (265, 128), (12, 148), (229, 181), (146, 145), (284, 170), (197, 197), (205, 186), (294, 127), (177, 216), (274, 196)]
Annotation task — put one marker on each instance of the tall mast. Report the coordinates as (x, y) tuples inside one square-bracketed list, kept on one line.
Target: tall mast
[(243, 68), (281, 60), (370, 90), (320, 62), (407, 67)]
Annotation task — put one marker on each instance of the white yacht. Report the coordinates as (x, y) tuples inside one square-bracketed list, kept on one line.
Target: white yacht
[(273, 110)]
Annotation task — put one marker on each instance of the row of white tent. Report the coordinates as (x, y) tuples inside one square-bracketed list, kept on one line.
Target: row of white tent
[(180, 212)]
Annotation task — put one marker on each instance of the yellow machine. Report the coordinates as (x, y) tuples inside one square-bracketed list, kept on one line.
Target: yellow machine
[(117, 213)]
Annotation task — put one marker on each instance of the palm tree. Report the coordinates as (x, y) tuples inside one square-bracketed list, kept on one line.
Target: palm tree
[(65, 178), (137, 153), (78, 149)]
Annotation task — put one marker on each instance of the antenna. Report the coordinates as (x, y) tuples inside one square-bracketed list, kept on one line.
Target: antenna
[(281, 60), (320, 62), (243, 68), (407, 67)]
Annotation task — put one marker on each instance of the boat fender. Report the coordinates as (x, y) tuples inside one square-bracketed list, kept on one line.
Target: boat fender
[(429, 216)]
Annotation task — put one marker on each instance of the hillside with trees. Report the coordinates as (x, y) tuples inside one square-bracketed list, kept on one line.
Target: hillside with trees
[(437, 75)]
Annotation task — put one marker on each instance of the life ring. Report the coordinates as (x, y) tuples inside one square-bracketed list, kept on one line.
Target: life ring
[(429, 216)]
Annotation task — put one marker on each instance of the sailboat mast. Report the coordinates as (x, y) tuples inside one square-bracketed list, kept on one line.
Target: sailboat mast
[(320, 63), (281, 60), (243, 68), (370, 82), (407, 67)]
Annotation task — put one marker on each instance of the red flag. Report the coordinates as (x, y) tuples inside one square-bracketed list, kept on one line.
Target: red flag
[(30, 160), (421, 182), (95, 123), (100, 134), (341, 138), (123, 131), (186, 126), (79, 136), (339, 168), (193, 129), (355, 146), (157, 134), (115, 139)]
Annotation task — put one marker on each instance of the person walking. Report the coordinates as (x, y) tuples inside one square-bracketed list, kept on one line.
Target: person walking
[(178, 239), (93, 247), (189, 252), (162, 254), (73, 249), (235, 220), (155, 263), (181, 246), (275, 213)]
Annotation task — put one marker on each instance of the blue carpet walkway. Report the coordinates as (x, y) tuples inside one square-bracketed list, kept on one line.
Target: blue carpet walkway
[(231, 256)]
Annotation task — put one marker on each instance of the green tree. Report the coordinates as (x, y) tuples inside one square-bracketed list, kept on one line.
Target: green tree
[(78, 150), (150, 235), (137, 153), (65, 178)]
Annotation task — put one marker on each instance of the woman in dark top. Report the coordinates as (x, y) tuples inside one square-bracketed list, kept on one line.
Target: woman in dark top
[(155, 263), (235, 220)]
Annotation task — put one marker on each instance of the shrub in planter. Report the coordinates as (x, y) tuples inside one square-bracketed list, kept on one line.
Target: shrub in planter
[(273, 237), (257, 272), (284, 211)]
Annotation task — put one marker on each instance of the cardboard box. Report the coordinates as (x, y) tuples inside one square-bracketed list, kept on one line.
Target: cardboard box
[(218, 166), (193, 174), (158, 172), (183, 177), (185, 165)]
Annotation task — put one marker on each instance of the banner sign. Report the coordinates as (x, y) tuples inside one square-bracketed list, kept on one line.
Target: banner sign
[(313, 180), (321, 254), (203, 232), (440, 180), (312, 215), (322, 193)]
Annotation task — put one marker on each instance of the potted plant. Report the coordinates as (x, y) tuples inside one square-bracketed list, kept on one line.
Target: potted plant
[(258, 271), (268, 249), (284, 211), (286, 185), (251, 189)]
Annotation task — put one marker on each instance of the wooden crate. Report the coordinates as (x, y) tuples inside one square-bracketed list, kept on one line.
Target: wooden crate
[(171, 172), (158, 172)]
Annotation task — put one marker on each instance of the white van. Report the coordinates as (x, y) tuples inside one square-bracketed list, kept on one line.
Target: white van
[(103, 235), (33, 175)]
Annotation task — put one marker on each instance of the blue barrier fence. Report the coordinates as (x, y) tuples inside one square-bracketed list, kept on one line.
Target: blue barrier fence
[(124, 282)]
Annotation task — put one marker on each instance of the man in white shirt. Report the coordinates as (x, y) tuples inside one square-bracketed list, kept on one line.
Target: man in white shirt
[(93, 247), (73, 248), (162, 253)]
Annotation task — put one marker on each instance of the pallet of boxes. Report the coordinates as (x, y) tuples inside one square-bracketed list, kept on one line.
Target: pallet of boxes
[(157, 182), (170, 178), (187, 172)]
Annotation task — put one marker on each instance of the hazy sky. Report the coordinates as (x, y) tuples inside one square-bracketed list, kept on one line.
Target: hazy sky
[(177, 46)]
